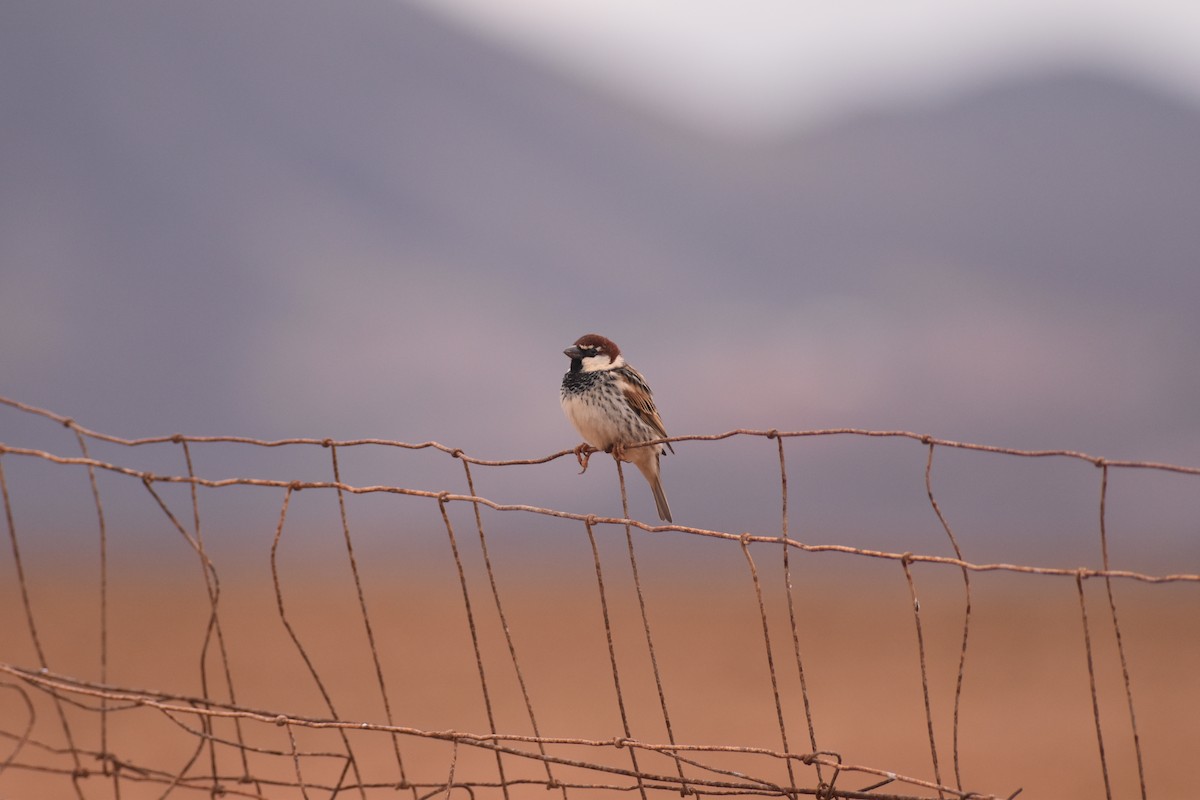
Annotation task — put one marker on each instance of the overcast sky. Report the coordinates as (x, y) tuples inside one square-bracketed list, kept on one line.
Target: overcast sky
[(761, 67), (297, 218)]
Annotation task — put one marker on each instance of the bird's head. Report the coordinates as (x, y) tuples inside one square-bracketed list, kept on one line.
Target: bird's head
[(592, 353)]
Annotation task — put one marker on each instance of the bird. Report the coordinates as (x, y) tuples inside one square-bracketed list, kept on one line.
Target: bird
[(610, 404)]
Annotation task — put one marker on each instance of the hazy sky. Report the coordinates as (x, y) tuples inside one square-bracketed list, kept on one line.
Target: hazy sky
[(297, 218), (755, 68), (355, 219)]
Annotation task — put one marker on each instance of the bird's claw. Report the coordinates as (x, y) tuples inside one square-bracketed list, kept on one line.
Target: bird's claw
[(618, 452), (582, 453)]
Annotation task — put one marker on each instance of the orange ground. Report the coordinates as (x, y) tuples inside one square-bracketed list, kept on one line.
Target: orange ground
[(1026, 717)]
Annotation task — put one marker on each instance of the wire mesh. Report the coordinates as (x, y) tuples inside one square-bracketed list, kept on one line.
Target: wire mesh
[(340, 721)]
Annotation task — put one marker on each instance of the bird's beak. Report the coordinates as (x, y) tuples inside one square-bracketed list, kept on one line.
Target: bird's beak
[(573, 352)]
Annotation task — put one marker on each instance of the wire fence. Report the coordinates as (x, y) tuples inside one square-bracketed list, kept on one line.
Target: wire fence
[(90, 731)]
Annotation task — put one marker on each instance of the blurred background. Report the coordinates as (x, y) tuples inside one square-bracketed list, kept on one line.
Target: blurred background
[(380, 218), (387, 219)]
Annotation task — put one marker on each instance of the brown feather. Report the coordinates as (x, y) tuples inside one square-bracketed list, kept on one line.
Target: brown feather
[(597, 342), (637, 394)]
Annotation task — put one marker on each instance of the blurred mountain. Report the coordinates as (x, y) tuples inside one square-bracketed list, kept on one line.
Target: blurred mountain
[(350, 219)]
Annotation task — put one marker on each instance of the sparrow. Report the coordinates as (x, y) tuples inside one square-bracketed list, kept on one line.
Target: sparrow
[(609, 403)]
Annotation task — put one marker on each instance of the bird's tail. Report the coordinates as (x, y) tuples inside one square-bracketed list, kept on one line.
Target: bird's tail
[(647, 464), (660, 499)]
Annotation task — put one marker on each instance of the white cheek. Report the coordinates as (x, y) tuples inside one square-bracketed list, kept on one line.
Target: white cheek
[(601, 362)]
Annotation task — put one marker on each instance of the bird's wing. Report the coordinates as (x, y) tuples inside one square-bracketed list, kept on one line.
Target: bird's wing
[(637, 394)]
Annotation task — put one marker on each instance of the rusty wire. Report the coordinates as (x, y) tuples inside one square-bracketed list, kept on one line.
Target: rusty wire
[(816, 772)]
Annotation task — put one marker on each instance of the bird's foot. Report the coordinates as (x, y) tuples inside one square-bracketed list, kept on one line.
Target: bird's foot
[(582, 453), (618, 451)]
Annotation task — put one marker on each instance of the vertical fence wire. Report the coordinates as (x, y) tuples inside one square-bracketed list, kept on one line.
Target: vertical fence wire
[(1091, 668), (31, 625), (366, 617), (637, 584), (508, 637), (916, 609), (1112, 607), (966, 630), (789, 591), (483, 682), (220, 725)]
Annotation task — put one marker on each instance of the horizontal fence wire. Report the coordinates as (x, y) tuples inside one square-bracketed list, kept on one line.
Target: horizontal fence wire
[(72, 729)]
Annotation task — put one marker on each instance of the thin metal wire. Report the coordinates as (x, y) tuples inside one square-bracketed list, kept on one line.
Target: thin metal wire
[(1087, 646), (966, 632), (508, 638), (612, 655), (766, 629), (453, 766), (31, 625), (199, 717), (300, 782), (637, 584), (916, 609), (450, 497), (458, 452), (791, 604), (31, 720), (214, 628), (1112, 607), (175, 704), (483, 682), (291, 631), (83, 448), (366, 617)]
